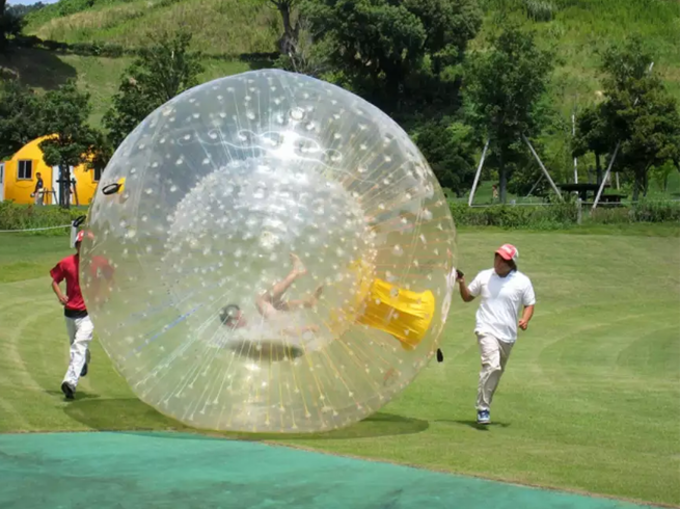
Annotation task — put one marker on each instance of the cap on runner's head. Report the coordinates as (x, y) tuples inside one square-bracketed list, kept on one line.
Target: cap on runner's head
[(508, 252), (81, 235)]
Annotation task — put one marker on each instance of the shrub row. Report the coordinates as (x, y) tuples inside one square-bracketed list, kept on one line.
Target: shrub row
[(561, 215), (24, 217), (557, 216), (509, 216)]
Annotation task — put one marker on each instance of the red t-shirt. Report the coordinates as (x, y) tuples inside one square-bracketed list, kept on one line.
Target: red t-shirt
[(68, 269)]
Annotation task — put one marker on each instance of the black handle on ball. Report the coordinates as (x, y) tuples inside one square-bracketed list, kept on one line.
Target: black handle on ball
[(78, 221), (111, 188)]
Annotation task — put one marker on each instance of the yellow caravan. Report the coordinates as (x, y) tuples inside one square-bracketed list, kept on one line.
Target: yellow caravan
[(18, 178)]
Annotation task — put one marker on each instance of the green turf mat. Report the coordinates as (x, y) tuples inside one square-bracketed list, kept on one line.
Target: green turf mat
[(144, 470)]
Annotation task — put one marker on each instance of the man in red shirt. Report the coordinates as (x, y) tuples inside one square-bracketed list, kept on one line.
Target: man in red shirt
[(78, 323)]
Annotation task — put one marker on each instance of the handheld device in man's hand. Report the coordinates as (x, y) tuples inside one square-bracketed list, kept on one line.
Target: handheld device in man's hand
[(459, 273)]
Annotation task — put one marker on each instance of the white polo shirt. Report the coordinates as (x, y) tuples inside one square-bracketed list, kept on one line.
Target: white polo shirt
[(502, 301)]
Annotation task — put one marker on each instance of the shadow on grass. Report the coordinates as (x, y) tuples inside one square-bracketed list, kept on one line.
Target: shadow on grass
[(473, 424), (36, 68), (80, 395), (130, 415)]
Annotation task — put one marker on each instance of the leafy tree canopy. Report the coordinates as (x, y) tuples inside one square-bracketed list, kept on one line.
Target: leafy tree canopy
[(159, 73)]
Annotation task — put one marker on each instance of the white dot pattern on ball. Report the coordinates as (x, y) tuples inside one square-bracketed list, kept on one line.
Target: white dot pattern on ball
[(221, 184)]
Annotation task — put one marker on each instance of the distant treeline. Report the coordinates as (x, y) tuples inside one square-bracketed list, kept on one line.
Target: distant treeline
[(20, 11)]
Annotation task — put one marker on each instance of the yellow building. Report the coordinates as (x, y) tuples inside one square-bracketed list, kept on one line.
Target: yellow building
[(19, 177)]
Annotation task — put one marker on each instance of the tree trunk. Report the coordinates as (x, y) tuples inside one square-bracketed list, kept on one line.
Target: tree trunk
[(598, 169), (290, 32), (639, 183), (503, 178), (636, 191), (65, 185)]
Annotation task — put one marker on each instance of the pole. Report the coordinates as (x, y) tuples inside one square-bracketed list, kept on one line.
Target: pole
[(479, 172), (534, 186), (557, 191), (606, 175), (573, 133)]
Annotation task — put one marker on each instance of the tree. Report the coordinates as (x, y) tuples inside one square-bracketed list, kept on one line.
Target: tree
[(505, 86), (20, 117), (397, 55), (3, 4), (592, 135), (448, 146), (637, 114), (65, 114), (303, 55), (159, 73), (648, 130), (11, 24)]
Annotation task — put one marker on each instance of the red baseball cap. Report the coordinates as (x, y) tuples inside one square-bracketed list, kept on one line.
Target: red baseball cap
[(81, 235), (508, 252)]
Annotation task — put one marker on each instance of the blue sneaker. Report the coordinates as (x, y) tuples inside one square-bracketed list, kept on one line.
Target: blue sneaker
[(483, 417)]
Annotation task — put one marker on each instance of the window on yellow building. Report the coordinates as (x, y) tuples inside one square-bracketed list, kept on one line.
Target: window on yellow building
[(97, 174), (25, 170)]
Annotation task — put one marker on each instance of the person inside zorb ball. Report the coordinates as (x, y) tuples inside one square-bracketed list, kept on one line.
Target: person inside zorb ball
[(283, 255)]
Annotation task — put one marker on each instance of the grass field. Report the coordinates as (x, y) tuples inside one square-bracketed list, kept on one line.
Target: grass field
[(590, 401)]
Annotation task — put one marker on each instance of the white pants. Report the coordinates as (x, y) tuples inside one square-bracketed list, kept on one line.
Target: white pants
[(495, 355), (80, 332)]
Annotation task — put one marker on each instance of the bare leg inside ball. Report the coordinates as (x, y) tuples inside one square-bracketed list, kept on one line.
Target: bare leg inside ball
[(272, 301)]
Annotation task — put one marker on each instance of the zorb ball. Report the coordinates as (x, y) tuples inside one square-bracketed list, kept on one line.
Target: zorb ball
[(279, 256)]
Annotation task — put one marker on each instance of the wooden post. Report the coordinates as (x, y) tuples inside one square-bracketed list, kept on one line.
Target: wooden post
[(540, 163), (479, 172)]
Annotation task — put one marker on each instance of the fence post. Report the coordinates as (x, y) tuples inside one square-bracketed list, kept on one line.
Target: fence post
[(579, 211)]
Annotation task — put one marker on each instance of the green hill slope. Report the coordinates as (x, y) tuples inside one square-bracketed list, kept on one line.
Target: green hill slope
[(218, 26), (577, 29)]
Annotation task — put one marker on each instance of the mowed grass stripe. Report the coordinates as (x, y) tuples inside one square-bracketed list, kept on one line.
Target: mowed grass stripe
[(590, 401)]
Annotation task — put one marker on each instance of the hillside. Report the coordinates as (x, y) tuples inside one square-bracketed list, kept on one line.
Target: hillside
[(578, 28)]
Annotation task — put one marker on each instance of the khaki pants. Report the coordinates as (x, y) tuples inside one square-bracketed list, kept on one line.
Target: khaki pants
[(80, 332), (495, 356)]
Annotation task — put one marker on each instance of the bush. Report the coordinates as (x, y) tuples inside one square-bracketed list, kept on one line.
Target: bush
[(540, 10), (22, 217)]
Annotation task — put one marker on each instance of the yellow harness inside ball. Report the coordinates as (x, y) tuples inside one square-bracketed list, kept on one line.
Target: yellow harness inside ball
[(404, 314)]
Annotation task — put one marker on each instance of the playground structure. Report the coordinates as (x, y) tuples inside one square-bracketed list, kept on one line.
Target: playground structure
[(581, 189)]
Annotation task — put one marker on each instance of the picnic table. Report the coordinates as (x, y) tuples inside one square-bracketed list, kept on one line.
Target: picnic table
[(585, 189), (582, 189)]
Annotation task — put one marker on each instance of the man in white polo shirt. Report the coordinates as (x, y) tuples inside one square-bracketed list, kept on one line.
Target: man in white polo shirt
[(504, 291)]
